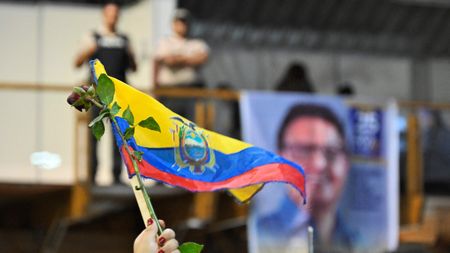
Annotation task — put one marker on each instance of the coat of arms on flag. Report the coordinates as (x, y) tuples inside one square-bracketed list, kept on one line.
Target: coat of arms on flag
[(193, 151)]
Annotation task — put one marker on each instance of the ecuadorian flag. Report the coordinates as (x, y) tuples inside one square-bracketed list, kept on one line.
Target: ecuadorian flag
[(185, 155)]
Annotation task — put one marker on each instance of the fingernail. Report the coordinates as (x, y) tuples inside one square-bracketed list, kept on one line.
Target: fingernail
[(161, 251), (161, 241), (149, 221)]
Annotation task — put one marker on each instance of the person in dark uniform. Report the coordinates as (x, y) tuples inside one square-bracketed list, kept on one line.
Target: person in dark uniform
[(114, 51)]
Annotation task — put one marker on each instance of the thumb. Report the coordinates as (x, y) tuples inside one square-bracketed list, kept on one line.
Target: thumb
[(146, 240)]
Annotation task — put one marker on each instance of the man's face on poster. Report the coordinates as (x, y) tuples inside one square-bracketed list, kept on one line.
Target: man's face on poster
[(317, 146)]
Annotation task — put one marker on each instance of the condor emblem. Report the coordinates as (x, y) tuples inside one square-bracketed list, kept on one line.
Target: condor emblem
[(193, 151)]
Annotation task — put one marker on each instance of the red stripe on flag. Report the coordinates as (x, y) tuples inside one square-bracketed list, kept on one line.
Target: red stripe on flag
[(273, 172)]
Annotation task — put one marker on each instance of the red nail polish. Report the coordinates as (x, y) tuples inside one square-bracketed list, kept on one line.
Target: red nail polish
[(161, 251), (161, 241), (149, 222)]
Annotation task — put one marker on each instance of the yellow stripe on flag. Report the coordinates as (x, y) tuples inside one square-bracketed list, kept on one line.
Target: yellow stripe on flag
[(142, 105)]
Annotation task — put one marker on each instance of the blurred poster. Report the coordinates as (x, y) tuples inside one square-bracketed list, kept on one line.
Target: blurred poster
[(350, 176)]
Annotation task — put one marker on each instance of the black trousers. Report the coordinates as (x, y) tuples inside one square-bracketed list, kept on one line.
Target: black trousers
[(93, 160)]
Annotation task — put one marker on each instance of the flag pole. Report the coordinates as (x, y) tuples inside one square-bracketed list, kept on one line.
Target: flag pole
[(142, 197)]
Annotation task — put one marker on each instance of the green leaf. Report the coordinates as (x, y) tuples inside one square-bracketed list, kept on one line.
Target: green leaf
[(98, 129), (190, 247), (150, 123), (103, 114), (115, 108), (128, 116), (138, 154), (78, 90), (105, 89), (129, 133)]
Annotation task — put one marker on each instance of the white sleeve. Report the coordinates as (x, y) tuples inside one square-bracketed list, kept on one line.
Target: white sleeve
[(199, 46)]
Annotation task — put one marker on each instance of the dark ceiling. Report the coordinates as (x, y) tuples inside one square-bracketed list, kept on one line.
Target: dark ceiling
[(419, 28), (93, 2)]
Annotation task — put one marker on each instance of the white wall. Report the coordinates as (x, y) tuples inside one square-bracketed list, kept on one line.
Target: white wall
[(60, 31), (36, 121), (137, 22), (18, 136), (162, 12), (43, 39), (19, 43)]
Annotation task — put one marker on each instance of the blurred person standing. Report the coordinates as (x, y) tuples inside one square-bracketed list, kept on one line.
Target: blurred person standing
[(178, 60), (113, 49), (296, 78)]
